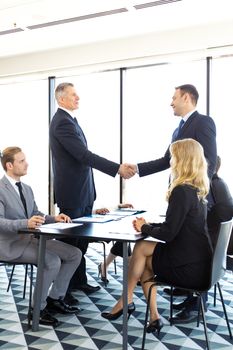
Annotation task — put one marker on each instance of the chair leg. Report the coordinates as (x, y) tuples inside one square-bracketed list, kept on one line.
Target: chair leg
[(146, 316), (10, 279), (114, 262), (224, 309), (171, 306), (25, 280), (215, 291), (199, 309), (115, 267), (204, 323), (105, 268)]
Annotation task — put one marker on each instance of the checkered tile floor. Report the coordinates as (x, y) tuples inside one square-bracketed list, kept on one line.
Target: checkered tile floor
[(89, 331)]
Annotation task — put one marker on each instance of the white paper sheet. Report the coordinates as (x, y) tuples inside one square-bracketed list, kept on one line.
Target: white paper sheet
[(60, 225)]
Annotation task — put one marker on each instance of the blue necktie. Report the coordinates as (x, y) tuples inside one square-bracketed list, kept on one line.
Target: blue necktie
[(177, 131)]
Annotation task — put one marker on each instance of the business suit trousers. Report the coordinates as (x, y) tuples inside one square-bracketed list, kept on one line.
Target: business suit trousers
[(61, 261), (79, 277)]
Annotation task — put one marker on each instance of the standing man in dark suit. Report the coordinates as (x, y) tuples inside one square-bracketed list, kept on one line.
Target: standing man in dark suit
[(195, 125), (74, 186), (202, 129)]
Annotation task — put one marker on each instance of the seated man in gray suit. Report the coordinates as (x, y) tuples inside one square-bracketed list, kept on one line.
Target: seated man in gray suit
[(18, 210)]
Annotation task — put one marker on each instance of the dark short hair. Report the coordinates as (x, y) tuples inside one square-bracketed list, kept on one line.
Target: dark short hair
[(60, 89), (8, 155), (189, 89)]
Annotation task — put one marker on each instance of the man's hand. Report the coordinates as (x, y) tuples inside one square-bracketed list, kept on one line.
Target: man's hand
[(127, 170), (101, 211), (36, 221), (125, 205), (62, 218)]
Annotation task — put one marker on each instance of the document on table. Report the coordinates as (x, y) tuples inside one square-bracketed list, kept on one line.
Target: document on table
[(60, 225), (94, 218), (125, 212)]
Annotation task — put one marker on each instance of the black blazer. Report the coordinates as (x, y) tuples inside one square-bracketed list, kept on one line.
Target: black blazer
[(184, 229), (198, 127), (73, 162), (221, 210)]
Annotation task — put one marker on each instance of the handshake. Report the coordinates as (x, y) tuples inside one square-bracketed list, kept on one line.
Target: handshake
[(127, 170)]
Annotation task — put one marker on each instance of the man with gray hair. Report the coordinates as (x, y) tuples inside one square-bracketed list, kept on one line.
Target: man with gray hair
[(72, 162)]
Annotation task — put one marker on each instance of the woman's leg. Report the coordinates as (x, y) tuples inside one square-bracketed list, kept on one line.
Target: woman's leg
[(139, 263), (147, 274), (109, 260), (116, 250)]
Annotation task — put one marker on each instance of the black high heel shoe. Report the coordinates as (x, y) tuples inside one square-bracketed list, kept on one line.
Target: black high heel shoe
[(102, 277), (155, 326), (111, 317)]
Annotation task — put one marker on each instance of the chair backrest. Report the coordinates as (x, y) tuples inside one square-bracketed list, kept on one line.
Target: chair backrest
[(220, 252)]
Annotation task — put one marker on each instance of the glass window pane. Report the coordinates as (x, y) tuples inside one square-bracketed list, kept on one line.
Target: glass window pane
[(149, 123), (24, 109), (222, 109)]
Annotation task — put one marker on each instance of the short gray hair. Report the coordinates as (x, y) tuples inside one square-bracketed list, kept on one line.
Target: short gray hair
[(60, 89)]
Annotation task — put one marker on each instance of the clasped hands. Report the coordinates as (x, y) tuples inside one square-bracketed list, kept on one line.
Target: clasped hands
[(127, 170), (138, 223), (37, 220)]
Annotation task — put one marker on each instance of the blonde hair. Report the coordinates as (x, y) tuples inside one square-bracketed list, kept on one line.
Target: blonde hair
[(188, 166)]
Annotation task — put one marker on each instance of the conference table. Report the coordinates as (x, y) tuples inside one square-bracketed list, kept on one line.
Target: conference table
[(117, 230)]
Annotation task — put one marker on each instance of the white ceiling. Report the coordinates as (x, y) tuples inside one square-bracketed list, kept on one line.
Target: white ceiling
[(92, 21)]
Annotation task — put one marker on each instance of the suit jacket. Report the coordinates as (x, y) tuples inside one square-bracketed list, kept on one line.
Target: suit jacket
[(13, 218), (73, 162), (198, 127), (184, 230), (222, 209)]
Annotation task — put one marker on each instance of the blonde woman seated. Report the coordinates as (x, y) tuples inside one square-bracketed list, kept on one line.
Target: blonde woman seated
[(185, 258)]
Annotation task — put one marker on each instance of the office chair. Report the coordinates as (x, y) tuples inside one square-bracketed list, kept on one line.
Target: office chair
[(25, 277), (218, 268), (8, 263)]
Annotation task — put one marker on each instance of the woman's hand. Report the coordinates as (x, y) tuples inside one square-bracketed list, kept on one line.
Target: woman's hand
[(62, 218), (137, 224)]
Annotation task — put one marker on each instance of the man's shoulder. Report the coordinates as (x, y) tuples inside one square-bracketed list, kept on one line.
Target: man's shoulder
[(60, 116), (3, 181), (201, 117)]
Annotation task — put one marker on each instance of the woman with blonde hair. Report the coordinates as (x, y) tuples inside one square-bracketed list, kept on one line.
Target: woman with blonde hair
[(185, 257)]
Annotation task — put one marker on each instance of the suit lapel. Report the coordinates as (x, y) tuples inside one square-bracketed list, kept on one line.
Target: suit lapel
[(79, 129), (10, 188), (188, 123), (75, 122)]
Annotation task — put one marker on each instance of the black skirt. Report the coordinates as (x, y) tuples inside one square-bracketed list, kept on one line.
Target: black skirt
[(192, 275)]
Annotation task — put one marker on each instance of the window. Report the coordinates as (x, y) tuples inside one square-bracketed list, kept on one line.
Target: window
[(149, 123), (24, 123)]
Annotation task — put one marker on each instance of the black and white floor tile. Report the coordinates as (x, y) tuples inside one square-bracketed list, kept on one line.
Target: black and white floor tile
[(89, 331)]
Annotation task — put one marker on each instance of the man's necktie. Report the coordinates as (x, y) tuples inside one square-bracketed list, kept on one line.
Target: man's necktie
[(80, 130), (19, 185), (180, 126), (177, 131)]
